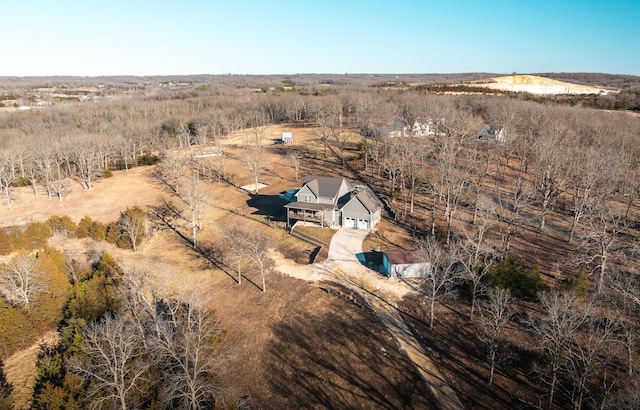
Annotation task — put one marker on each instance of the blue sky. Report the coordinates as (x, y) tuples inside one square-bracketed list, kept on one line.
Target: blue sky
[(136, 37)]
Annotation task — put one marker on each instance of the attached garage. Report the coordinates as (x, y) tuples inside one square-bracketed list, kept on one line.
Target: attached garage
[(349, 222), (362, 211)]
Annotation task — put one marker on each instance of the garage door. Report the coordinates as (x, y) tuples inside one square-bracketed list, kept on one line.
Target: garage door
[(350, 222), (363, 224)]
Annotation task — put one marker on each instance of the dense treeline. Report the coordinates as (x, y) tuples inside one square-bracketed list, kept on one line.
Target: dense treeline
[(111, 321), (125, 345), (35, 280), (545, 189), (126, 233)]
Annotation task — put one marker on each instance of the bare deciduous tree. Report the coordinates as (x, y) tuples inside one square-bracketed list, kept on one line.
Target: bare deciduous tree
[(132, 225), (550, 169), (294, 157), (495, 313), (257, 245), (563, 316), (196, 202), (439, 277), (585, 174), (21, 279), (87, 163), (115, 363), (515, 201), (586, 356), (235, 237), (603, 224), (171, 171), (624, 297), (6, 179), (255, 157), (473, 271), (187, 344)]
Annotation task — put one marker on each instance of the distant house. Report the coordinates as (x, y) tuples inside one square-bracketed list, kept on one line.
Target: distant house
[(489, 133), (401, 129), (404, 264), (421, 129), (332, 202), (287, 138)]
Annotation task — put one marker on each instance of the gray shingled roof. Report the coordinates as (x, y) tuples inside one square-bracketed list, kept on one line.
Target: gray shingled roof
[(369, 200), (324, 186)]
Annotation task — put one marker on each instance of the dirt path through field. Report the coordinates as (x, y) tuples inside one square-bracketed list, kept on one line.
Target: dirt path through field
[(382, 294)]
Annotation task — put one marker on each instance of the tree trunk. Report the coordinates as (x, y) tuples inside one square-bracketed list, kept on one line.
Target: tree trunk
[(473, 303), (603, 259), (630, 351), (431, 312), (493, 364), (574, 224), (552, 390)]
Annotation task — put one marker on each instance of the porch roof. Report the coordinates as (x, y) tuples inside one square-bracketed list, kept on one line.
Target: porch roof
[(308, 206)]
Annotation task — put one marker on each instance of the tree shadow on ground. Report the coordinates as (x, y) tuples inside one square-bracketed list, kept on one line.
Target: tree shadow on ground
[(341, 358), (168, 217), (454, 345)]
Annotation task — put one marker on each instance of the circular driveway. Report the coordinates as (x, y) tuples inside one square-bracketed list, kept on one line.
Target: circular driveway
[(346, 244)]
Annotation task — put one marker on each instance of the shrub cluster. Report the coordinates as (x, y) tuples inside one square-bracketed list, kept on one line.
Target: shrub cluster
[(522, 280), (35, 235)]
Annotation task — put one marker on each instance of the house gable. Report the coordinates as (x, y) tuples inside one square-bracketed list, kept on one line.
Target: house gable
[(327, 189), (354, 208), (305, 194)]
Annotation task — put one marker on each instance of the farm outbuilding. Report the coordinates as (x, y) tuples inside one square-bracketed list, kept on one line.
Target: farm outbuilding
[(404, 264), (287, 138)]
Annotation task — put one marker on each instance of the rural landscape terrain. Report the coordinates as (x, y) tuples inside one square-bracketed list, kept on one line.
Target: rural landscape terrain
[(147, 259)]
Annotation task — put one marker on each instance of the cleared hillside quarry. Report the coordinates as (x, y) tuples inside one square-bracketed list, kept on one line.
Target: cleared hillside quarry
[(538, 85)]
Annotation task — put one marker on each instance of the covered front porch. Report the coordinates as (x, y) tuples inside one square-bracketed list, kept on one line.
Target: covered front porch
[(311, 212)]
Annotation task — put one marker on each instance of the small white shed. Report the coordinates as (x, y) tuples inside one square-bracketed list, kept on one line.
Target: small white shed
[(287, 138)]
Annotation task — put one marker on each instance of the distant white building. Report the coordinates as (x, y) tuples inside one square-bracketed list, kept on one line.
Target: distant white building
[(287, 138), (402, 129), (421, 129), (489, 133)]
